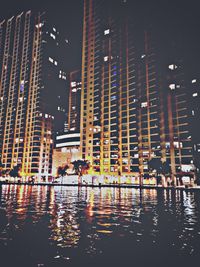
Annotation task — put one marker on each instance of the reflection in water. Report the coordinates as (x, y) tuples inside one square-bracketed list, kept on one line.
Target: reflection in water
[(55, 226)]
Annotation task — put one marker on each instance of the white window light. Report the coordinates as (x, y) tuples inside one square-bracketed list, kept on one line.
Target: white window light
[(178, 144), (143, 56), (143, 104), (73, 84), (2, 98), (74, 90), (39, 25), (172, 66), (172, 86), (46, 116), (194, 81), (54, 29), (105, 58), (192, 112), (55, 63), (51, 59), (107, 31), (195, 94), (53, 36), (58, 108)]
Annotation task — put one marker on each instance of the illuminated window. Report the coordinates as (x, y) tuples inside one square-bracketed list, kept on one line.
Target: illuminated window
[(55, 63), (194, 81), (172, 66), (143, 104), (51, 59), (195, 94), (73, 84), (105, 58), (172, 86), (39, 25), (178, 144), (106, 32), (53, 36)]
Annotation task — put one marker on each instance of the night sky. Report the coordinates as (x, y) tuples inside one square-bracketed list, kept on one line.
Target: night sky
[(179, 19)]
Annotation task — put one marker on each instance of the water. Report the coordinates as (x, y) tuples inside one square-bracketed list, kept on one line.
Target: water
[(44, 226)]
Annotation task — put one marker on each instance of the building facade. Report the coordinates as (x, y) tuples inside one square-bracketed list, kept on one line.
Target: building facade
[(129, 114), (26, 113), (67, 150), (74, 102), (194, 96)]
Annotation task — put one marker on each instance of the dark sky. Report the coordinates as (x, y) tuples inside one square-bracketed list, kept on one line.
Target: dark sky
[(174, 17)]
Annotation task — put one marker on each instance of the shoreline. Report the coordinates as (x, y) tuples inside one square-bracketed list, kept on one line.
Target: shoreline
[(106, 185)]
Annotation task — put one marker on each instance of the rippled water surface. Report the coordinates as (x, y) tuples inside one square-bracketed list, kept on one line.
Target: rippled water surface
[(71, 226)]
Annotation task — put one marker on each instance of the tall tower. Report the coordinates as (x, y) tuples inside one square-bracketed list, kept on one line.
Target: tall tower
[(26, 119), (123, 123)]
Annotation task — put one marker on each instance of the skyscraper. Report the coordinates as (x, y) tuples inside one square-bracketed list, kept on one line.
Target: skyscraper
[(67, 144), (28, 100), (124, 124)]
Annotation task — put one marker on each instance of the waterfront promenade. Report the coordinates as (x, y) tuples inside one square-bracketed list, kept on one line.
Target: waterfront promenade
[(73, 181)]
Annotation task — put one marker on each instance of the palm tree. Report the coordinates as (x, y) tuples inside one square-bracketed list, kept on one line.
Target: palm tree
[(81, 166), (62, 171), (15, 172)]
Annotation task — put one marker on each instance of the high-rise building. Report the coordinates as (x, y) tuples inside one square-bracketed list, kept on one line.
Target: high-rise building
[(130, 113), (31, 99), (67, 144)]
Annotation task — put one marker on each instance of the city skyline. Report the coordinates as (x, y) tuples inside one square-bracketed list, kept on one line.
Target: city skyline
[(99, 133), (138, 48)]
